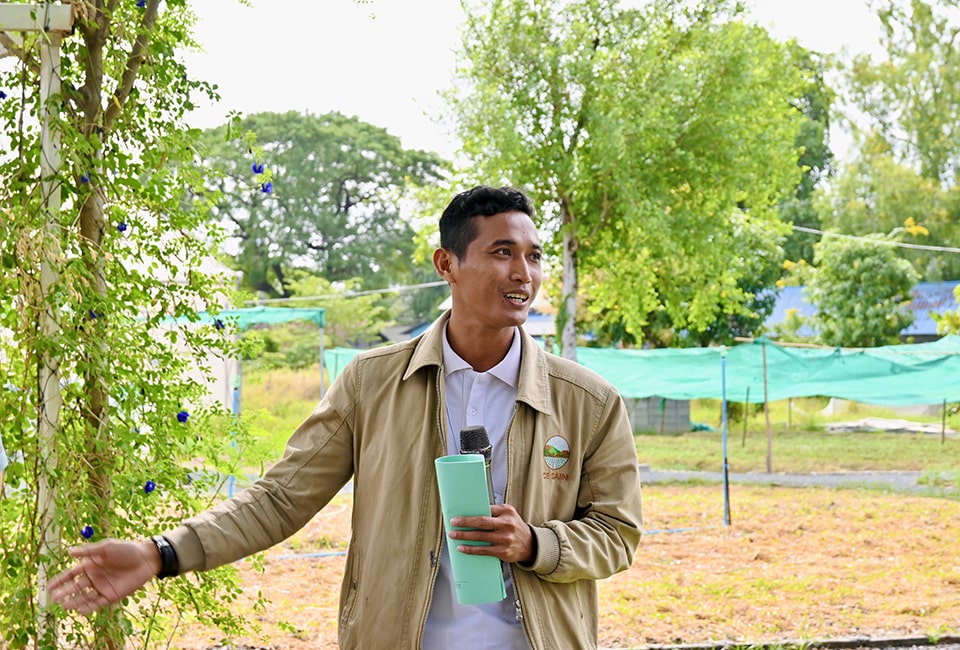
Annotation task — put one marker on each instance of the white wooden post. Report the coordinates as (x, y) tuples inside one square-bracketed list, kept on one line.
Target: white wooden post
[(49, 384)]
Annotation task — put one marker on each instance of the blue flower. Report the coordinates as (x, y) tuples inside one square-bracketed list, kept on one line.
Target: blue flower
[(87, 532), (3, 95), (141, 3), (219, 324), (257, 167), (149, 487), (85, 178), (182, 417), (267, 188), (122, 226), (95, 314)]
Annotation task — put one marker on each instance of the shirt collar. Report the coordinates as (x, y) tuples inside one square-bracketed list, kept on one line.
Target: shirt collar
[(507, 371)]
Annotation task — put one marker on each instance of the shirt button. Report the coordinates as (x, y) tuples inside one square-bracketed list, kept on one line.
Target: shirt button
[(473, 411)]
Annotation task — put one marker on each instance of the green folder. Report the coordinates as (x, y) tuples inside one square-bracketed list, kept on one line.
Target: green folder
[(462, 481)]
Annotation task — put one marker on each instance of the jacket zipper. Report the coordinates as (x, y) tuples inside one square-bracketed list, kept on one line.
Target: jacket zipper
[(517, 605)]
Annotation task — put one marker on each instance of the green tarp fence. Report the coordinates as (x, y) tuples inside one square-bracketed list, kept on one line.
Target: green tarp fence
[(894, 375), (250, 316)]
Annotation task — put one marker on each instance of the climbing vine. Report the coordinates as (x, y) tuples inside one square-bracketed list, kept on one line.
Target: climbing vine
[(101, 341)]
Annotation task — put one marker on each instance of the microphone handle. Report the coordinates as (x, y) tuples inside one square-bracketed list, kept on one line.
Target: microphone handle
[(493, 499)]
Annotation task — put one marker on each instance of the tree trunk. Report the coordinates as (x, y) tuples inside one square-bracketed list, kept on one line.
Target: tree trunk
[(99, 451), (568, 306), (97, 445)]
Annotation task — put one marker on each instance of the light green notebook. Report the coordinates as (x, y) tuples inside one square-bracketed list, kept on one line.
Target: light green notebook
[(463, 492)]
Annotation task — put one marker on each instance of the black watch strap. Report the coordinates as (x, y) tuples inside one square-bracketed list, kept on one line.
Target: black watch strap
[(169, 566)]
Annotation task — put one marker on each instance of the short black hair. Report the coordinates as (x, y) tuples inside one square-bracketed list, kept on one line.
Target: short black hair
[(457, 225)]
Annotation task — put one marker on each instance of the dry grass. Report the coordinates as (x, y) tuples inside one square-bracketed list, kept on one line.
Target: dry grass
[(796, 564), (286, 386)]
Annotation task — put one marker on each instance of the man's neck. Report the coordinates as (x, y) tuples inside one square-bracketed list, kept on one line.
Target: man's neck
[(481, 349)]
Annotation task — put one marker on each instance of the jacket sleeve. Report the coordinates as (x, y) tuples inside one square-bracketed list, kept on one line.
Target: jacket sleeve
[(603, 536), (317, 463)]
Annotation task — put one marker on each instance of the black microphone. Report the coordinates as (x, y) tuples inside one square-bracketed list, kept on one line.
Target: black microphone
[(474, 440)]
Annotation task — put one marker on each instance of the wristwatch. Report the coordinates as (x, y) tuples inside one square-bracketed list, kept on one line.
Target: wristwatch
[(169, 566)]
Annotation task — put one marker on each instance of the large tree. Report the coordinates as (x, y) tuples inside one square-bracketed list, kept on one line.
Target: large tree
[(646, 135), (911, 98), (907, 136), (816, 157), (874, 193), (318, 192), (860, 289)]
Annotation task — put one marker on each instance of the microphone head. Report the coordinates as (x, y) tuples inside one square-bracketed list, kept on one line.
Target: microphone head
[(474, 440)]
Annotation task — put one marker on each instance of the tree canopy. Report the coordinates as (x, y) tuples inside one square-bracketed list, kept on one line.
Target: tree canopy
[(653, 139), (912, 98), (860, 289), (907, 157), (319, 192)]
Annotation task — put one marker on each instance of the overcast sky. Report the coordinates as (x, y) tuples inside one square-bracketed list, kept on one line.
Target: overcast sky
[(384, 61)]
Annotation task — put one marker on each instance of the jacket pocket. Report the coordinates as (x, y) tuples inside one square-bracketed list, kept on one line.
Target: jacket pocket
[(350, 590), (559, 614)]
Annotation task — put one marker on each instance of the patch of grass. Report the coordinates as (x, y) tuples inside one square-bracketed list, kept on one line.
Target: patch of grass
[(795, 565), (276, 402), (803, 447), (807, 413), (803, 452)]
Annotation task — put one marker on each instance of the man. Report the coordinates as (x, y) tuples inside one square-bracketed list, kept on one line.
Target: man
[(564, 469)]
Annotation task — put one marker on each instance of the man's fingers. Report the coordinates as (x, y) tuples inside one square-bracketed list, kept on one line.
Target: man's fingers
[(66, 577), (74, 590), (84, 602), (477, 522)]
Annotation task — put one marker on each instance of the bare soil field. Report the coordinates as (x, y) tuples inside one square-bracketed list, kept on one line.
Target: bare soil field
[(795, 564)]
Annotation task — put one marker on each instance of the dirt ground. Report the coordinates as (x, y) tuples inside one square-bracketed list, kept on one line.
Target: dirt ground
[(795, 564)]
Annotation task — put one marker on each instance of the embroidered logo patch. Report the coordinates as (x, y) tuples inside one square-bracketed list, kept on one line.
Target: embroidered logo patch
[(556, 452)]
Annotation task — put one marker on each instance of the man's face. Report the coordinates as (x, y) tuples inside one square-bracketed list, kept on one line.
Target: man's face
[(494, 284)]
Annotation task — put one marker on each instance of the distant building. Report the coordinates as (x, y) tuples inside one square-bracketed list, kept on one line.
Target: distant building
[(928, 297)]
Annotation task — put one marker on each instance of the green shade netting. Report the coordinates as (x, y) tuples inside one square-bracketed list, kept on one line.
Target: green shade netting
[(894, 375), (250, 316)]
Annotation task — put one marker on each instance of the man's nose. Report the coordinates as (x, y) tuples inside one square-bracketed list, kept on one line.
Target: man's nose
[(521, 271)]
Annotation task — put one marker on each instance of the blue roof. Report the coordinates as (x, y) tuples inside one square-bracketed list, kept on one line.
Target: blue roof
[(928, 297), (936, 297)]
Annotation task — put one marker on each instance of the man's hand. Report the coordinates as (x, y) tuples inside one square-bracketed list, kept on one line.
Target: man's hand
[(508, 535), (108, 572)]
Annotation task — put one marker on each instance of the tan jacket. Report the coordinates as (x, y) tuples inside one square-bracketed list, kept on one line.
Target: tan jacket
[(382, 423)]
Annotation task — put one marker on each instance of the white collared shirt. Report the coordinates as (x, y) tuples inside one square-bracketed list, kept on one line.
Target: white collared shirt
[(488, 399)]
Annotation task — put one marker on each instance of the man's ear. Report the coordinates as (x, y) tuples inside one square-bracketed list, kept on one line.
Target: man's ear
[(443, 262)]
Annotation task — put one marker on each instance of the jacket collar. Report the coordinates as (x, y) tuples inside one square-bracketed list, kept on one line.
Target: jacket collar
[(533, 388)]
